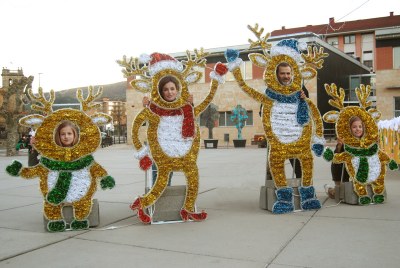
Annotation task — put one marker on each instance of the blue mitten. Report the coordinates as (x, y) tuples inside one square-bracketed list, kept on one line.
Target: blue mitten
[(318, 149)]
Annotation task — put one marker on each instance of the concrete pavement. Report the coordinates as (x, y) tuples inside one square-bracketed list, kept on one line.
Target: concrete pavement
[(236, 234)]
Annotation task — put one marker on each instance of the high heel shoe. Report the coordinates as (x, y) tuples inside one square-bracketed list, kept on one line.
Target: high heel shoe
[(142, 216), (187, 215)]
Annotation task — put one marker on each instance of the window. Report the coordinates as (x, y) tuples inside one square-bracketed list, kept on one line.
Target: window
[(351, 54), (396, 58), (396, 106), (225, 119), (349, 39), (368, 63)]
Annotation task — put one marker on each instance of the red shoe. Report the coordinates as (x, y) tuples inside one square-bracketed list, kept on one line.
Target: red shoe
[(186, 215), (136, 204), (142, 216)]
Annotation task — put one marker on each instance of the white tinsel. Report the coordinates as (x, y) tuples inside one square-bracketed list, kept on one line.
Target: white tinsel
[(374, 166), (142, 152), (393, 124), (165, 64), (318, 140), (34, 121), (170, 137), (144, 58), (234, 64), (285, 50), (219, 78), (332, 117), (99, 120), (191, 78), (284, 122), (80, 183)]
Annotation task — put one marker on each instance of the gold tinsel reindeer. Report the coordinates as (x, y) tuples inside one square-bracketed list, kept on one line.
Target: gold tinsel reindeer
[(292, 125), (364, 161), (68, 175)]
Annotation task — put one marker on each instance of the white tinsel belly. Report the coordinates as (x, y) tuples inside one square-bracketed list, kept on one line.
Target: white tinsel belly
[(284, 122), (170, 138), (80, 183), (374, 166)]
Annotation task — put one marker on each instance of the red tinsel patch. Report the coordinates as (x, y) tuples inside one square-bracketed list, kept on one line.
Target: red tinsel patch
[(145, 163), (221, 68)]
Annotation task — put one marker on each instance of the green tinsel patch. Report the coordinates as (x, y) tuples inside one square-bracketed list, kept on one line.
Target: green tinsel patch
[(60, 165), (328, 154), (80, 225), (364, 200), (363, 168), (60, 190), (378, 199), (393, 165), (56, 226), (362, 152), (107, 182), (14, 168)]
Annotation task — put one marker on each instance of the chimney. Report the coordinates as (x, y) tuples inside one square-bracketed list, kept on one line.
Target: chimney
[(391, 14), (331, 20), (283, 28)]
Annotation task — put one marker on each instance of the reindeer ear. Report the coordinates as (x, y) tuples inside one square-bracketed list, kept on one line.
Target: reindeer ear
[(101, 119), (141, 85), (374, 113), (331, 116), (33, 120), (308, 73), (258, 59), (193, 77)]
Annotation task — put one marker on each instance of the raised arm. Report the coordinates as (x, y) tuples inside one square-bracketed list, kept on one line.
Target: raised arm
[(260, 97)]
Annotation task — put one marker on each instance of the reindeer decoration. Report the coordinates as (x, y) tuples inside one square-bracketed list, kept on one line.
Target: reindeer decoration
[(68, 175), (291, 123), (173, 135), (364, 161)]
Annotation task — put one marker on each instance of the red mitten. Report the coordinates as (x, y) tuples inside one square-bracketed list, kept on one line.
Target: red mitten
[(220, 68), (145, 163)]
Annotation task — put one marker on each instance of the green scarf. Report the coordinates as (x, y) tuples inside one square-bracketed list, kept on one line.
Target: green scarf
[(363, 168), (60, 190)]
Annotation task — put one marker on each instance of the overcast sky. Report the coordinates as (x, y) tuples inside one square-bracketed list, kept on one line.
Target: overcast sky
[(75, 43)]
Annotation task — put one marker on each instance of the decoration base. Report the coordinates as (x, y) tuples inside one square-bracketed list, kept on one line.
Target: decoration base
[(210, 144), (239, 143), (268, 196), (94, 216), (168, 206), (345, 192)]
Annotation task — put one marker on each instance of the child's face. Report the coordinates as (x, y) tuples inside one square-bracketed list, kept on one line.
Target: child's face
[(357, 129), (67, 136), (169, 92)]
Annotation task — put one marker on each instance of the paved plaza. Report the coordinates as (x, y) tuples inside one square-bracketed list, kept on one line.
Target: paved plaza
[(237, 232)]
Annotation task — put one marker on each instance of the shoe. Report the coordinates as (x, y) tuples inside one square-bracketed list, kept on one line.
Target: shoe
[(142, 216), (187, 215), (328, 191)]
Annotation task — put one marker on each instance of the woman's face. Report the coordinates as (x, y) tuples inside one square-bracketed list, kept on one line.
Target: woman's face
[(67, 136), (169, 92), (357, 129)]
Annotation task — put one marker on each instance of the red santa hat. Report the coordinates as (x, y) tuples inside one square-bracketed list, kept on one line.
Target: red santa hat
[(158, 62)]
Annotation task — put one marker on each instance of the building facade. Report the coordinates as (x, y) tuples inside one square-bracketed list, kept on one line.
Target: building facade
[(337, 69), (374, 42)]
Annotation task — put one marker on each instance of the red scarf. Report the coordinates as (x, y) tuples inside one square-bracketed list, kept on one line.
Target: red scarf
[(188, 118)]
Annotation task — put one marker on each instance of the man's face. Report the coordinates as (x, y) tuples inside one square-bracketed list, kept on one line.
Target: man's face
[(284, 75)]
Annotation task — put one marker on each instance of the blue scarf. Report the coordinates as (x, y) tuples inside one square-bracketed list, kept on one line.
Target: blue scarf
[(302, 106)]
